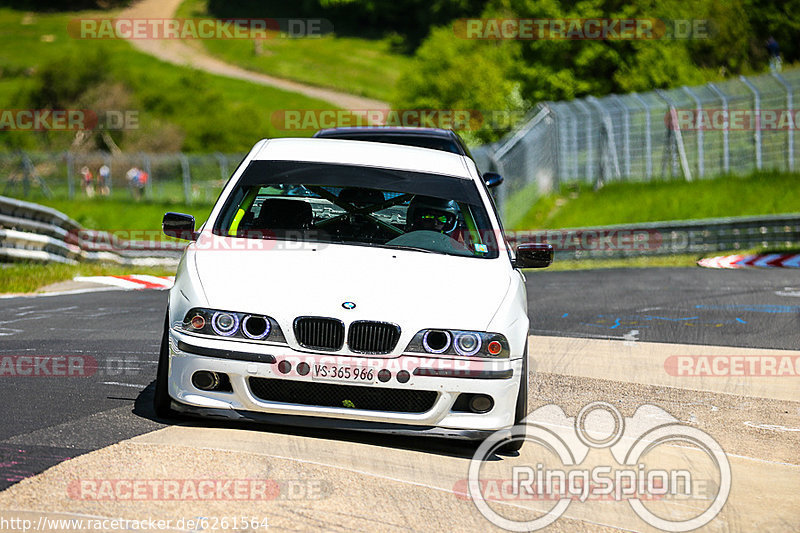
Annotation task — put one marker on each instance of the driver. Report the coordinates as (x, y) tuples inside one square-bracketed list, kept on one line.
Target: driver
[(432, 214)]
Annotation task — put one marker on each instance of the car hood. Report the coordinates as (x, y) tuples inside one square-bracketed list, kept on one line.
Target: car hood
[(416, 290)]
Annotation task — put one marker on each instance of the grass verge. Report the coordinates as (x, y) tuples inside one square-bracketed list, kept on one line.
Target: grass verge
[(178, 107), (30, 277), (761, 193), (112, 215), (671, 261), (365, 67)]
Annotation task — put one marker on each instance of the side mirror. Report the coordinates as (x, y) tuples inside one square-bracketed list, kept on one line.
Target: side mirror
[(492, 179), (178, 225), (534, 255)]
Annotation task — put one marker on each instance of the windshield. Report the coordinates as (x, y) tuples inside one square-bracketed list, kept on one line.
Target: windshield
[(422, 141), (360, 206)]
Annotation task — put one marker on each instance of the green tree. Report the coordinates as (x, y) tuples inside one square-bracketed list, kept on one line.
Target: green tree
[(452, 70), (459, 74)]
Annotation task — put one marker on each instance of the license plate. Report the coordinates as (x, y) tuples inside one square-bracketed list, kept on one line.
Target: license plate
[(343, 373)]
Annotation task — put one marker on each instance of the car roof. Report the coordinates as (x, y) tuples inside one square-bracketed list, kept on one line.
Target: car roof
[(384, 133), (433, 132), (371, 154)]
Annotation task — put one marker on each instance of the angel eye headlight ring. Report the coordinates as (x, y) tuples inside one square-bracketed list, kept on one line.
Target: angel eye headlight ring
[(255, 327), (467, 343), (224, 324), (436, 340)]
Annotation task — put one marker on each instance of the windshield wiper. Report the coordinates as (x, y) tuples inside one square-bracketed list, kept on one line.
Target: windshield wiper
[(412, 248)]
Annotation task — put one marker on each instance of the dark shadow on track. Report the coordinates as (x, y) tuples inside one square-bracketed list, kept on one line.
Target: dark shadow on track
[(143, 407)]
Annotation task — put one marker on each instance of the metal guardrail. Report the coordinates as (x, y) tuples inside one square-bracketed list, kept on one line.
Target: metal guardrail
[(669, 238), (32, 232)]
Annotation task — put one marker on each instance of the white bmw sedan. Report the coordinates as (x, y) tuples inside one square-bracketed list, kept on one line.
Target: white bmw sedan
[(349, 284)]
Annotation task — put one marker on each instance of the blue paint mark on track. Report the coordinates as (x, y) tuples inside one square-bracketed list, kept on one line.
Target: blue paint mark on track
[(650, 317), (754, 308)]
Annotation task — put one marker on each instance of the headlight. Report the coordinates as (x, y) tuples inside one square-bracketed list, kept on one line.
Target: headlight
[(468, 343), (224, 323), (436, 340), (457, 342), (241, 326), (255, 327)]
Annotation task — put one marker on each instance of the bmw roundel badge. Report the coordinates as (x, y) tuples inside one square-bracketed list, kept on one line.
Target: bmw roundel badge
[(349, 305)]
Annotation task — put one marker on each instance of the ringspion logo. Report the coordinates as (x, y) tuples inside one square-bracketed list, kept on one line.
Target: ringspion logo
[(601, 455)]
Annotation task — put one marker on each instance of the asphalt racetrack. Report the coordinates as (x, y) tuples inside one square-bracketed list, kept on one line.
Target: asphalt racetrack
[(746, 308), (598, 335)]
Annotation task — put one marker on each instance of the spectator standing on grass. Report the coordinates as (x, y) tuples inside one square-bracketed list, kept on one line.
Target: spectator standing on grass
[(774, 55), (133, 182), (143, 177), (86, 181), (104, 180)]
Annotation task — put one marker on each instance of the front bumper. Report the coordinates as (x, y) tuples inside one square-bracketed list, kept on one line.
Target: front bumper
[(447, 378)]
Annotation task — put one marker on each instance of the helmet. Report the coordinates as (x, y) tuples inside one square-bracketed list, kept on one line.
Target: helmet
[(432, 214)]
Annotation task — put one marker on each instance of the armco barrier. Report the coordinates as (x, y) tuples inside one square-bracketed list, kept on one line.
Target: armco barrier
[(35, 233), (32, 232), (669, 238)]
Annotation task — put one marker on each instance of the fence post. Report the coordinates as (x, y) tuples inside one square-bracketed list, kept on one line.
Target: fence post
[(757, 109), (648, 140), (148, 186), (790, 130), (611, 143), (726, 147), (187, 179), (676, 131), (588, 165), (70, 176), (626, 134), (107, 162), (223, 166), (699, 126), (562, 127), (574, 136)]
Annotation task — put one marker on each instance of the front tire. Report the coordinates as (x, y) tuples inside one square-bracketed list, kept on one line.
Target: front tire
[(162, 403), (521, 410)]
